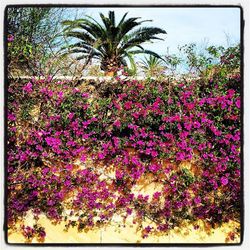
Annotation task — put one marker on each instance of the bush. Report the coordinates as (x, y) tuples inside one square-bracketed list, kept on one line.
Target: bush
[(185, 136)]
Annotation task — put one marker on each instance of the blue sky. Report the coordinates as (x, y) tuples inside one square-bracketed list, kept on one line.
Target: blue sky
[(209, 26)]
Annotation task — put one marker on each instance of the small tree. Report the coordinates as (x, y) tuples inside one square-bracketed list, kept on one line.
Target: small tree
[(110, 42), (33, 40), (153, 66)]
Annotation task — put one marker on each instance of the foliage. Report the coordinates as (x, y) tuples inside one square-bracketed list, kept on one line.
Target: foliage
[(132, 69), (34, 40), (153, 66), (172, 62), (110, 42), (69, 150)]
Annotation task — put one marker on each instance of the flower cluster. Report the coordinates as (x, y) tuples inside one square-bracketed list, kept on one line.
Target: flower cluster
[(87, 152)]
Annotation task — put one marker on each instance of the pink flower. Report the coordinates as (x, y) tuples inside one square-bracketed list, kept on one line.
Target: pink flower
[(128, 105), (154, 167), (170, 100), (154, 153), (117, 123), (71, 115), (83, 158), (140, 142), (197, 124), (69, 167), (230, 93), (187, 126), (11, 117), (224, 181), (76, 90), (157, 195), (197, 200), (190, 106), (28, 87), (85, 95), (180, 156), (116, 105), (118, 174), (136, 115), (10, 38), (101, 156), (116, 141), (237, 103)]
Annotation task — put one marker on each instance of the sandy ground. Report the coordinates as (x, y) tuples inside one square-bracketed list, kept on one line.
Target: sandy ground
[(113, 233)]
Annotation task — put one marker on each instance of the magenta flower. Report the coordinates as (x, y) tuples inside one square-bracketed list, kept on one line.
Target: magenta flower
[(154, 153), (148, 229), (83, 158), (237, 103), (180, 156), (10, 38), (154, 167), (197, 124), (54, 142), (117, 123), (85, 95), (71, 115), (187, 126), (128, 105), (197, 200), (157, 195), (28, 88), (69, 167), (119, 174), (11, 117), (224, 181), (101, 156)]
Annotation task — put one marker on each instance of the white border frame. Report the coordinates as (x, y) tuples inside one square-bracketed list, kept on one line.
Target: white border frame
[(246, 12)]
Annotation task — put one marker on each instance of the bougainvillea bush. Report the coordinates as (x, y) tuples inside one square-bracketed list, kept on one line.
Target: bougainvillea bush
[(77, 156)]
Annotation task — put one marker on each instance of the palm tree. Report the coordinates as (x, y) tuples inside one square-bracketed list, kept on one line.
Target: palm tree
[(152, 66), (109, 42)]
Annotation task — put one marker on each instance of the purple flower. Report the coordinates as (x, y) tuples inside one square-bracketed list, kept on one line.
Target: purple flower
[(45, 171), (118, 174), (28, 87), (224, 181), (180, 156), (69, 167), (128, 105), (10, 38), (197, 200), (101, 156), (50, 202), (42, 234), (53, 142), (197, 124), (117, 124), (148, 229), (154, 167), (85, 95), (11, 117), (154, 153), (83, 158), (237, 103)]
